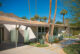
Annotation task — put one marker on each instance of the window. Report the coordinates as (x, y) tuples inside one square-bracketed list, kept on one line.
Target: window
[(43, 29), (39, 29)]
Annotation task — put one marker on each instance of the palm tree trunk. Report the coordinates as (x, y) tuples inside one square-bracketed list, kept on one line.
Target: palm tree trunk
[(49, 21), (52, 27), (63, 19), (36, 6), (29, 8)]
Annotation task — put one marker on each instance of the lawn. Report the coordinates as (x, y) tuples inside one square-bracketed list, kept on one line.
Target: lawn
[(39, 45), (73, 37)]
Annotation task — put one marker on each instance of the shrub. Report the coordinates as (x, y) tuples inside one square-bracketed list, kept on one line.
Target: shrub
[(41, 41), (32, 44), (50, 39), (41, 45), (72, 49), (38, 45), (56, 40), (61, 38)]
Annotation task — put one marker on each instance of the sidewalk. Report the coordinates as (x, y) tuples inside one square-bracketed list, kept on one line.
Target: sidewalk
[(33, 50)]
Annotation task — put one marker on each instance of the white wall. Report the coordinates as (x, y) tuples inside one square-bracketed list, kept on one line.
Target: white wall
[(31, 33), (9, 27)]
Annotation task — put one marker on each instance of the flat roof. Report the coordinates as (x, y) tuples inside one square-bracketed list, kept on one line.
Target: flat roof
[(13, 20)]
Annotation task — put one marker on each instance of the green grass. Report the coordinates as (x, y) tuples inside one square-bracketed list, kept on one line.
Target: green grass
[(41, 45), (73, 37), (38, 45), (72, 49)]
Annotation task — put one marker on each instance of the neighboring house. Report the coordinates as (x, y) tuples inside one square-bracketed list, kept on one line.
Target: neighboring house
[(34, 29)]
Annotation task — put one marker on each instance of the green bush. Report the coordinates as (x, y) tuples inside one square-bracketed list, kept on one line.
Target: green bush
[(33, 44), (38, 45), (53, 39), (41, 45), (72, 49), (50, 39), (61, 38), (41, 41), (73, 37)]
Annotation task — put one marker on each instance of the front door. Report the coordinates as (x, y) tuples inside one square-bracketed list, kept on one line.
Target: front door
[(1, 34)]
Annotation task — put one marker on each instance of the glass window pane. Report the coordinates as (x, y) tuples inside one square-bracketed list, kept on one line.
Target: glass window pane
[(39, 29), (42, 29)]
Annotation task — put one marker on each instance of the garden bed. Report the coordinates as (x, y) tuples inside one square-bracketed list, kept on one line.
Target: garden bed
[(39, 45), (73, 48)]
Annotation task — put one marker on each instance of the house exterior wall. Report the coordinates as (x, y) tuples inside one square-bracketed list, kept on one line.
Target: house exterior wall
[(8, 28), (21, 36), (33, 32), (7, 34)]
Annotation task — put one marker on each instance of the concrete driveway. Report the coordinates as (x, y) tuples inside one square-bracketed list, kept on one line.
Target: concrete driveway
[(29, 50)]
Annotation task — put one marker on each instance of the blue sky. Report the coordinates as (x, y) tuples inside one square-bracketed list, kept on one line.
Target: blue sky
[(21, 8)]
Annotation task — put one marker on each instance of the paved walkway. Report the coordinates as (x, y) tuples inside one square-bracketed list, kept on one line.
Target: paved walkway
[(34, 50), (56, 48)]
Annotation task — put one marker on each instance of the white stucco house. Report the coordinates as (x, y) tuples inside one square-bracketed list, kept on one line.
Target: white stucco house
[(34, 28)]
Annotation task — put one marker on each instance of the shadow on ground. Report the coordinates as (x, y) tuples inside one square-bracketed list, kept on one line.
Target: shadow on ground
[(5, 46)]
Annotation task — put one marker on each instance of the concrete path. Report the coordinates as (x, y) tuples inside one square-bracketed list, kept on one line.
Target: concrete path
[(33, 50)]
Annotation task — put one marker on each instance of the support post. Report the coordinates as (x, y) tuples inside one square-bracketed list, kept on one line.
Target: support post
[(16, 35), (37, 34)]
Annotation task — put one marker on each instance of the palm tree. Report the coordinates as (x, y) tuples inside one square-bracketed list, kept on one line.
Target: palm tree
[(33, 19), (52, 27), (49, 20), (44, 18), (24, 17), (63, 12), (40, 18), (29, 8), (36, 17)]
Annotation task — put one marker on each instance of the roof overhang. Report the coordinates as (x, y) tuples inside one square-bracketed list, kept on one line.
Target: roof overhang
[(22, 23)]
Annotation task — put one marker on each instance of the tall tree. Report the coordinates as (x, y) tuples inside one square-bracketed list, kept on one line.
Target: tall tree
[(24, 17), (33, 19), (63, 12), (73, 7), (49, 20), (29, 8), (36, 17), (44, 18), (40, 18), (52, 27)]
